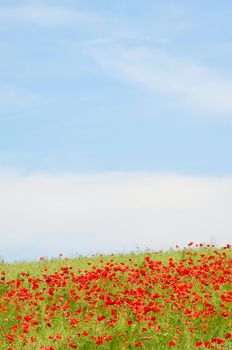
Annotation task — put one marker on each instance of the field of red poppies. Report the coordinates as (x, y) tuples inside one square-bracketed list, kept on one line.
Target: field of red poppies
[(179, 299)]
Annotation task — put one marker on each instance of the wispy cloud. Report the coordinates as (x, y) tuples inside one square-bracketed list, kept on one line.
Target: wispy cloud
[(189, 84), (47, 213), (44, 14)]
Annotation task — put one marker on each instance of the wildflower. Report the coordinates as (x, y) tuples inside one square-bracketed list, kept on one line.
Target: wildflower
[(217, 340), (171, 343), (101, 318), (228, 336), (138, 344)]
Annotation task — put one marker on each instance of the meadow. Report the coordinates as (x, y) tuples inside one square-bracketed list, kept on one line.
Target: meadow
[(180, 299)]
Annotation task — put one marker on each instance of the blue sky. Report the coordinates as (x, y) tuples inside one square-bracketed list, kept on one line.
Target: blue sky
[(111, 87)]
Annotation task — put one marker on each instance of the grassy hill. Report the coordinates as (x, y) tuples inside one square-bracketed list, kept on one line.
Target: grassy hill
[(178, 299)]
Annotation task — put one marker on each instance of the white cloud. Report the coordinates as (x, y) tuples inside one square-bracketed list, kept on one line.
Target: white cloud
[(190, 84), (46, 213), (44, 14)]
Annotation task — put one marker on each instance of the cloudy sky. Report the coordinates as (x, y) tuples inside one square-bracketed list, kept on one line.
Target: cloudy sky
[(115, 125)]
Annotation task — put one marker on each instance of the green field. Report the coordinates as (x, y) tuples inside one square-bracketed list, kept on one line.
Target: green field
[(180, 299)]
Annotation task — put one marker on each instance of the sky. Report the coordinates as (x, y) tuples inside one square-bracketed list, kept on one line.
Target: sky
[(115, 125)]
